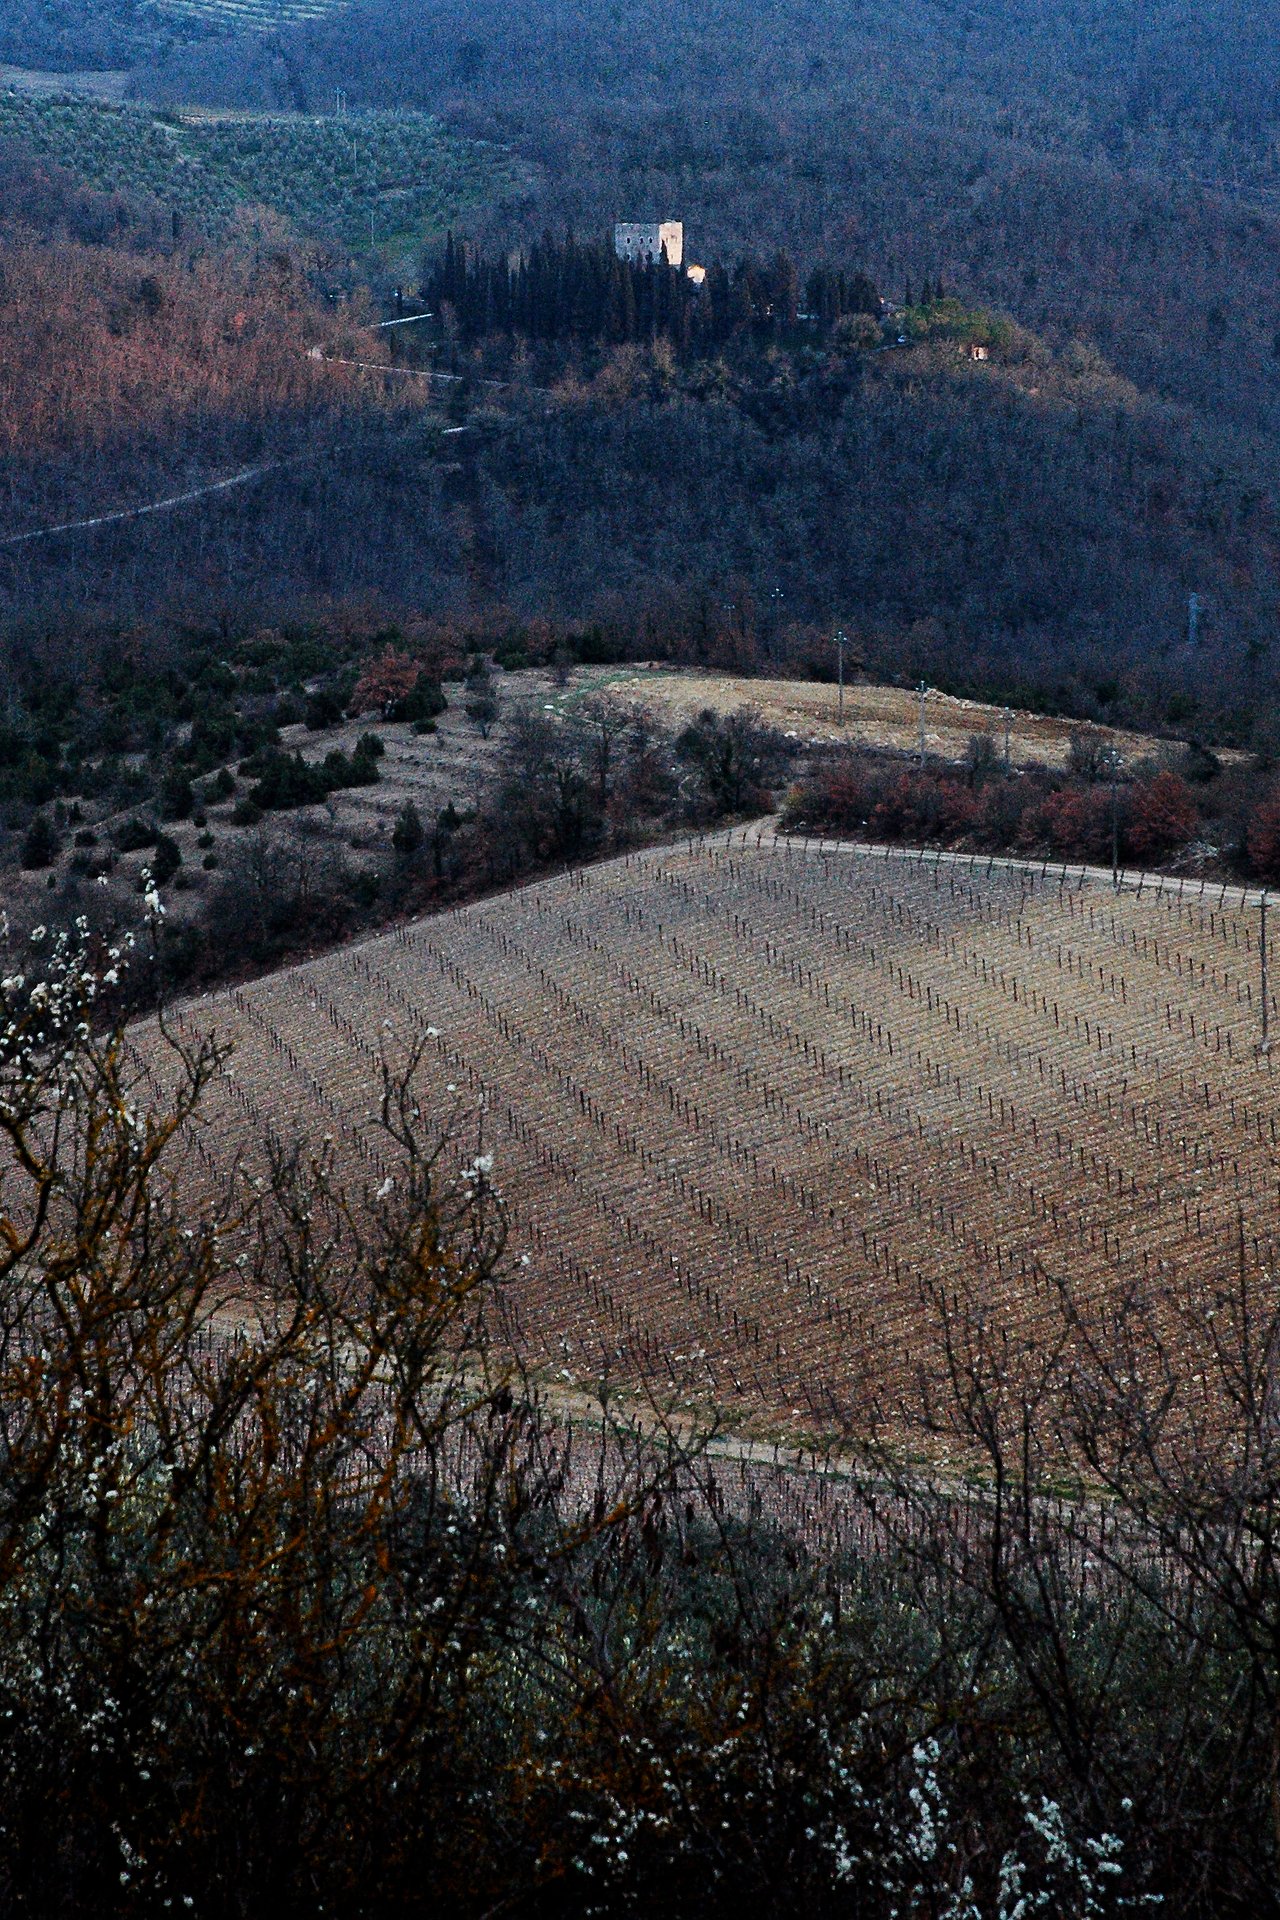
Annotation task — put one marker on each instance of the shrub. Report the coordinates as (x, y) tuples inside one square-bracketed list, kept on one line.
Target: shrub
[(840, 796), (386, 684), (1162, 816), (40, 843), (287, 781), (176, 796), (408, 833), (896, 810), (422, 705), (982, 757), (1262, 836), (136, 833), (323, 709), (482, 701), (1076, 822), (165, 860)]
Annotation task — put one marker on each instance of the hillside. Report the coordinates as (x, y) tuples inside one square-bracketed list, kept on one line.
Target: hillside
[(395, 177), (874, 716), (94, 35), (639, 1174), (760, 1114), (1076, 163), (1027, 530)]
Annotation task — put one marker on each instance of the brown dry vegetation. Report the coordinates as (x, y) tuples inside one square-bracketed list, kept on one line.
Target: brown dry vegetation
[(762, 1116), (96, 343), (875, 716)]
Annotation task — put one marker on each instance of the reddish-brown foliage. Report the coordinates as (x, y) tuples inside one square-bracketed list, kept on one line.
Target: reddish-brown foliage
[(1075, 821), (95, 343), (1162, 816), (385, 681), (1262, 836)]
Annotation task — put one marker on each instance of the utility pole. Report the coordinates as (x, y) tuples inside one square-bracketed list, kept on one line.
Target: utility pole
[(840, 669), (1265, 1046), (923, 691), (1008, 727), (1115, 820)]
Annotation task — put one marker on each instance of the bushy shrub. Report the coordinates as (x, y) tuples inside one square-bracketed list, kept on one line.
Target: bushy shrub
[(1033, 812), (386, 684), (1262, 837), (1162, 816), (285, 781), (324, 708), (165, 860), (360, 770), (408, 833), (40, 843), (135, 833), (1074, 822), (176, 796), (422, 705)]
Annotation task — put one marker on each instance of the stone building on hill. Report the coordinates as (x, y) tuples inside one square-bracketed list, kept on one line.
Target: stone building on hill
[(645, 240)]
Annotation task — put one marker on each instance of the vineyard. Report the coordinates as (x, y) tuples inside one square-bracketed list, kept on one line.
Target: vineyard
[(250, 16), (759, 1113), (330, 175)]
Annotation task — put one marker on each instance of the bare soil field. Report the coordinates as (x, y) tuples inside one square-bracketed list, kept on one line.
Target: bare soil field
[(875, 716), (756, 1110)]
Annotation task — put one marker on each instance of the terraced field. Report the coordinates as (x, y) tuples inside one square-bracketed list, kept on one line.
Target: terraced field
[(330, 174), (251, 16), (758, 1112)]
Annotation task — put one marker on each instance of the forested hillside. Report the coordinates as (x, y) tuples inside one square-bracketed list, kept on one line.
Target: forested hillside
[(1036, 525), (67, 35), (1030, 526), (1104, 171), (1158, 85), (62, 35)]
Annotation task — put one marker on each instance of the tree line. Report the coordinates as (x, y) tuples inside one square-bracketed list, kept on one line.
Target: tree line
[(574, 290)]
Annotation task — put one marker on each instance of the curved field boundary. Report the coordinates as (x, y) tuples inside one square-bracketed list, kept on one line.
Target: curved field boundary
[(763, 1112)]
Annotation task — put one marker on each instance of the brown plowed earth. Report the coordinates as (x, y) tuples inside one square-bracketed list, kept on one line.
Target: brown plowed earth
[(757, 1109)]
